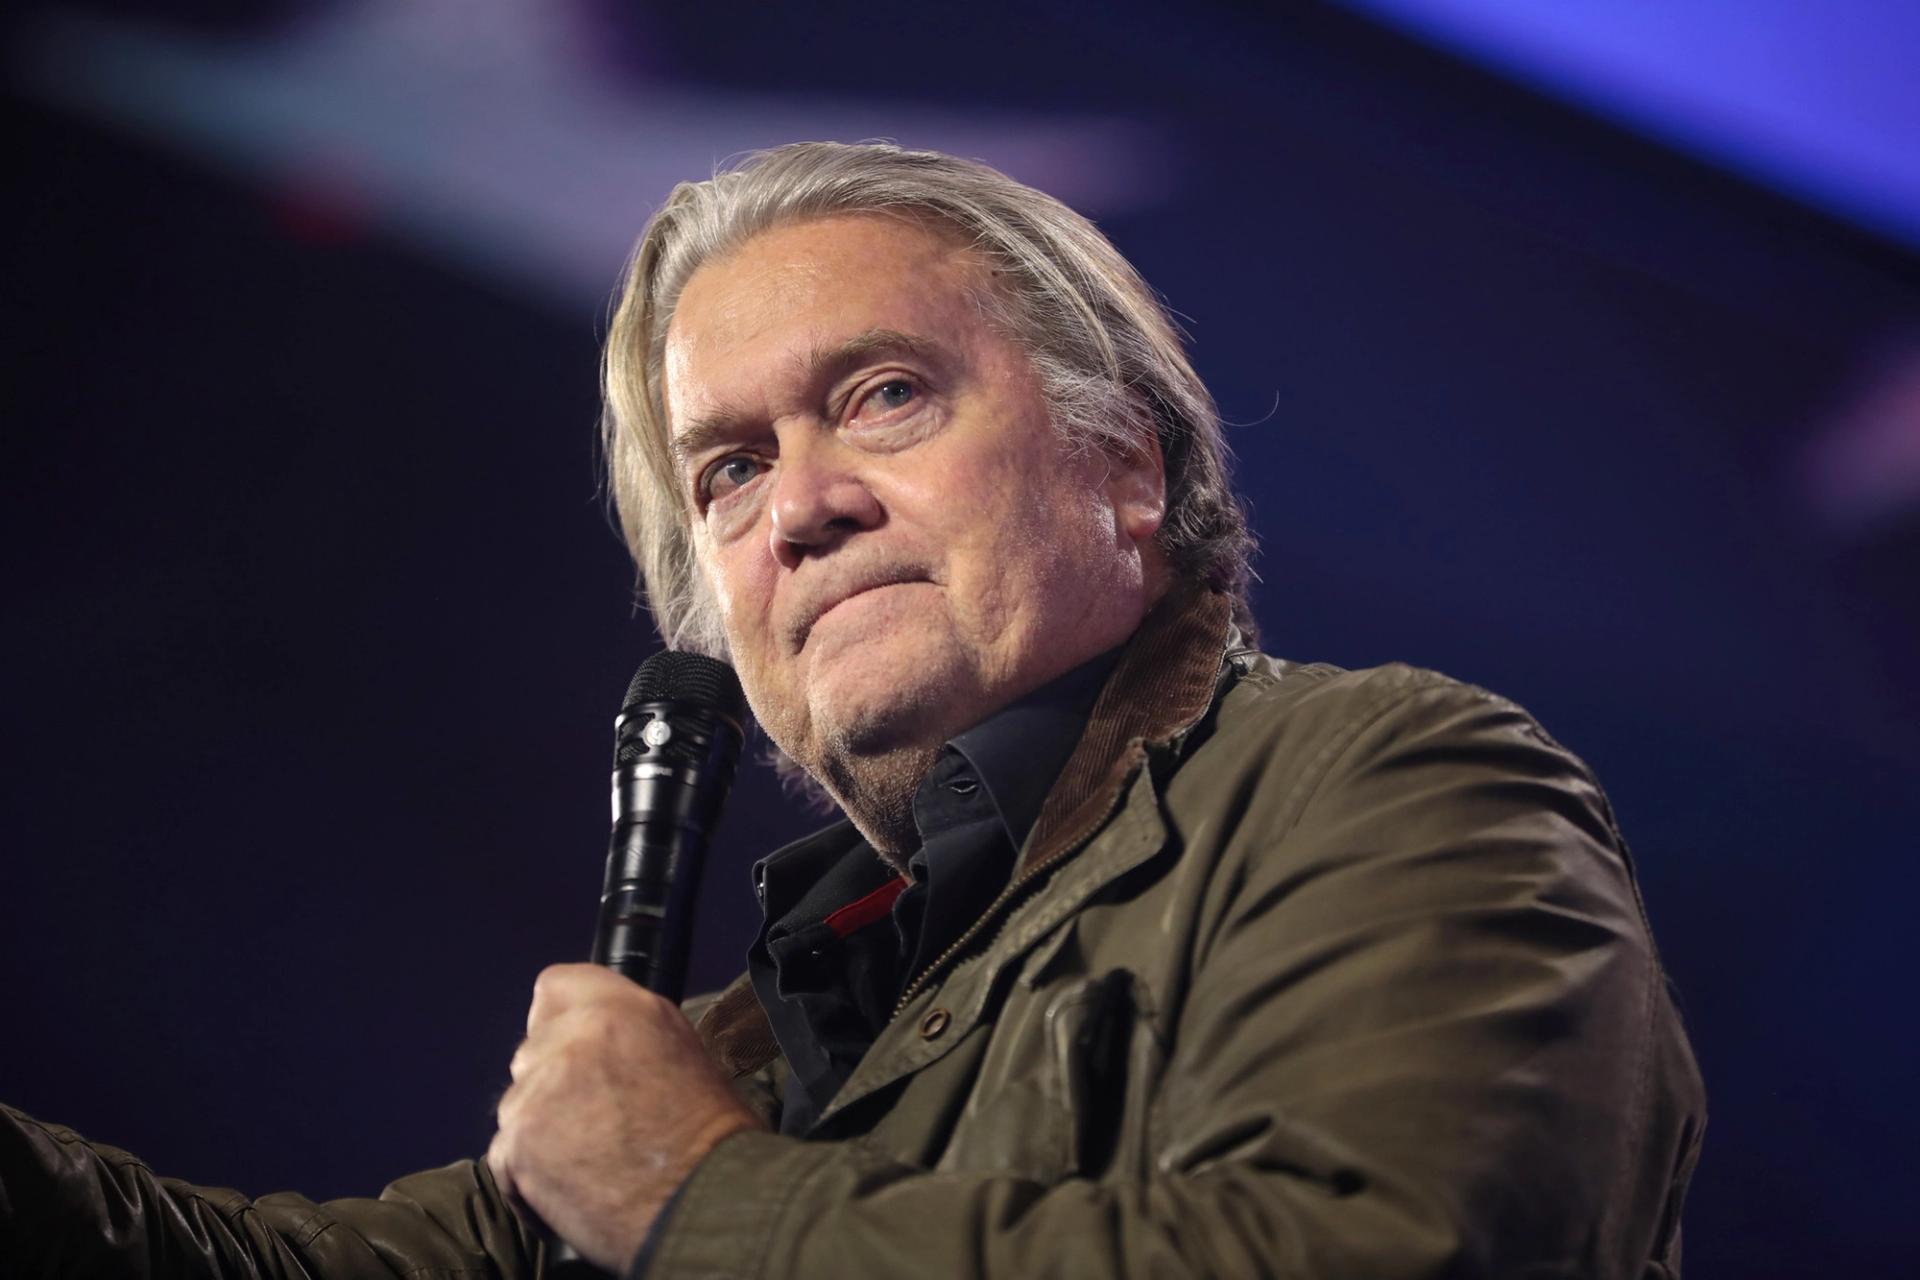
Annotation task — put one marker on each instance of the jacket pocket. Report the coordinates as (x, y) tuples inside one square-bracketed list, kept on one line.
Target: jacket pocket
[(1091, 1029), (1060, 1089)]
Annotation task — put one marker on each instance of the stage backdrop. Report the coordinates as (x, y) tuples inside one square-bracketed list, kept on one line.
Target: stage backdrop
[(315, 624)]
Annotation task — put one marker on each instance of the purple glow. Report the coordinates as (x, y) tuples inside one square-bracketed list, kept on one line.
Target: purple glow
[(1820, 100), (1862, 467)]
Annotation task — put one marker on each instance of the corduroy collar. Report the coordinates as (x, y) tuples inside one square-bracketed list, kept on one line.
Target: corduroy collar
[(1162, 687)]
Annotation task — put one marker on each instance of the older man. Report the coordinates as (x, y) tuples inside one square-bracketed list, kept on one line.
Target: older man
[(1138, 952)]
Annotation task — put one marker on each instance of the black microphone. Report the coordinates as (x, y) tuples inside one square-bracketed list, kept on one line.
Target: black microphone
[(675, 744)]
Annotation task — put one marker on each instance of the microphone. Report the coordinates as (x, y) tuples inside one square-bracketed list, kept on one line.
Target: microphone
[(675, 744)]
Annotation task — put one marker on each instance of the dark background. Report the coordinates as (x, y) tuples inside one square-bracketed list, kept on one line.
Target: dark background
[(315, 626)]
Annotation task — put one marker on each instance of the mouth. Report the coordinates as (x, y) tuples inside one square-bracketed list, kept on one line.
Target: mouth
[(826, 602)]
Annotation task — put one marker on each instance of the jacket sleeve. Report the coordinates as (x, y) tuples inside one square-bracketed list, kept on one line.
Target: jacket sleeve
[(73, 1208), (1426, 1034)]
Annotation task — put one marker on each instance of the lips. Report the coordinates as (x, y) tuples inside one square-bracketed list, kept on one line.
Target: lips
[(826, 597)]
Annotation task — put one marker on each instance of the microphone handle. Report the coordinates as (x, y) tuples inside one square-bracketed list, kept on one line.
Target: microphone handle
[(653, 877), (654, 859)]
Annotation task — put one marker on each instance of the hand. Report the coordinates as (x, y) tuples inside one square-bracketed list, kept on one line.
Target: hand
[(613, 1103)]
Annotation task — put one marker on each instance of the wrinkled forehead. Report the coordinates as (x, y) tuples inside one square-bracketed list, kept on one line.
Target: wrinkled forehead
[(755, 315)]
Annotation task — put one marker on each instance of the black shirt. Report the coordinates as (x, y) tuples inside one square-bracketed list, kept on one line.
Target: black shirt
[(843, 933)]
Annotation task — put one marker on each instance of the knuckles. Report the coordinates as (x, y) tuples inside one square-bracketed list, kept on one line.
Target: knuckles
[(500, 1159), (586, 1041), (551, 990), (510, 1103), (589, 1032), (564, 989)]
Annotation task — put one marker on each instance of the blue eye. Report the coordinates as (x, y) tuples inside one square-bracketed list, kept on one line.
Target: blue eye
[(729, 474), (889, 395)]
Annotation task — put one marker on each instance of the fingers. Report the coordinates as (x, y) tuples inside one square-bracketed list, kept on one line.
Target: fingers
[(508, 1152), (614, 1101), (500, 1163), (561, 988), (554, 992)]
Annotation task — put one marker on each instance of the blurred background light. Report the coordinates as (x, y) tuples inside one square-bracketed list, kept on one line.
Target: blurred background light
[(1819, 98), (496, 132)]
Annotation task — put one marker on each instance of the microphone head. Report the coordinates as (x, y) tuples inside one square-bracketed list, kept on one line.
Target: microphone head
[(674, 676), (686, 691)]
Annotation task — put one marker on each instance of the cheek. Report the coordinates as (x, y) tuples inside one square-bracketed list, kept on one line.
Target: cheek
[(1052, 511), (1036, 549), (730, 577), (741, 591)]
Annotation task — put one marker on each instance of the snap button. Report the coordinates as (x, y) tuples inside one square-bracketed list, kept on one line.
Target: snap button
[(934, 1023)]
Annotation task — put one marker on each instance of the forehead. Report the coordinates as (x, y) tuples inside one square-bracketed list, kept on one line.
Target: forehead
[(805, 286)]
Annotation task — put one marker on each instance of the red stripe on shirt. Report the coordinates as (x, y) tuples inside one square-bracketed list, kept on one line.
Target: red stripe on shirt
[(875, 906)]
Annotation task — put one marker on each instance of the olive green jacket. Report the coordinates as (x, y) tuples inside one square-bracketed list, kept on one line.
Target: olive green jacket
[(1302, 973)]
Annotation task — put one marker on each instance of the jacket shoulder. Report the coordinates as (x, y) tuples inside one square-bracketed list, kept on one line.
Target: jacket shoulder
[(1296, 726), (1265, 688)]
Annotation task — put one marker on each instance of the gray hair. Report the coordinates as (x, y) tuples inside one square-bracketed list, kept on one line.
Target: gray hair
[(1108, 355)]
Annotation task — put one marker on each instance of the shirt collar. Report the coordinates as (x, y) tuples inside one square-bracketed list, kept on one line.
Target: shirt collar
[(1016, 753)]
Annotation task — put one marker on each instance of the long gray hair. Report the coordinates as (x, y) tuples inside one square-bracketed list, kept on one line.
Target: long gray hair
[(1108, 356)]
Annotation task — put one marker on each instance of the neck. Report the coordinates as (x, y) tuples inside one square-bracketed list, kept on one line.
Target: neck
[(876, 793), (875, 789)]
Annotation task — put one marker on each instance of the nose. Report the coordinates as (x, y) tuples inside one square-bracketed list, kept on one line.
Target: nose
[(819, 500)]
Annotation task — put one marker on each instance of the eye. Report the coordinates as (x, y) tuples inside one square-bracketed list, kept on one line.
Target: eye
[(730, 473), (894, 393)]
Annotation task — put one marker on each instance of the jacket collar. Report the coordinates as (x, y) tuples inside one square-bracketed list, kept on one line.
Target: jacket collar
[(1162, 687)]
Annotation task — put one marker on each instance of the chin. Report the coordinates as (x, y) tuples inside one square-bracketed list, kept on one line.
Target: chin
[(901, 693)]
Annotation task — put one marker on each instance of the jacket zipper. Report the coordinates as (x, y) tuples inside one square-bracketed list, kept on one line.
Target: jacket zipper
[(995, 908), (973, 934), (1034, 872)]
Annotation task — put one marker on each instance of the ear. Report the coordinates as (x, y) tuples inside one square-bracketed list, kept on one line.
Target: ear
[(1137, 488)]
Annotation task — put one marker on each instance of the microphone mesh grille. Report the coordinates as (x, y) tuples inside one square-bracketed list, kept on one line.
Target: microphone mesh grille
[(674, 676)]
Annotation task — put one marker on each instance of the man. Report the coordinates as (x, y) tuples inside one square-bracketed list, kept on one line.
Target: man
[(1138, 952)]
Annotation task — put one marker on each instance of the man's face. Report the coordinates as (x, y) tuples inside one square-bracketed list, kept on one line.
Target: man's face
[(899, 542)]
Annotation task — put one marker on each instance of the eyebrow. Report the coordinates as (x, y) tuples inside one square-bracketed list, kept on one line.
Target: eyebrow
[(822, 364), (862, 346)]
